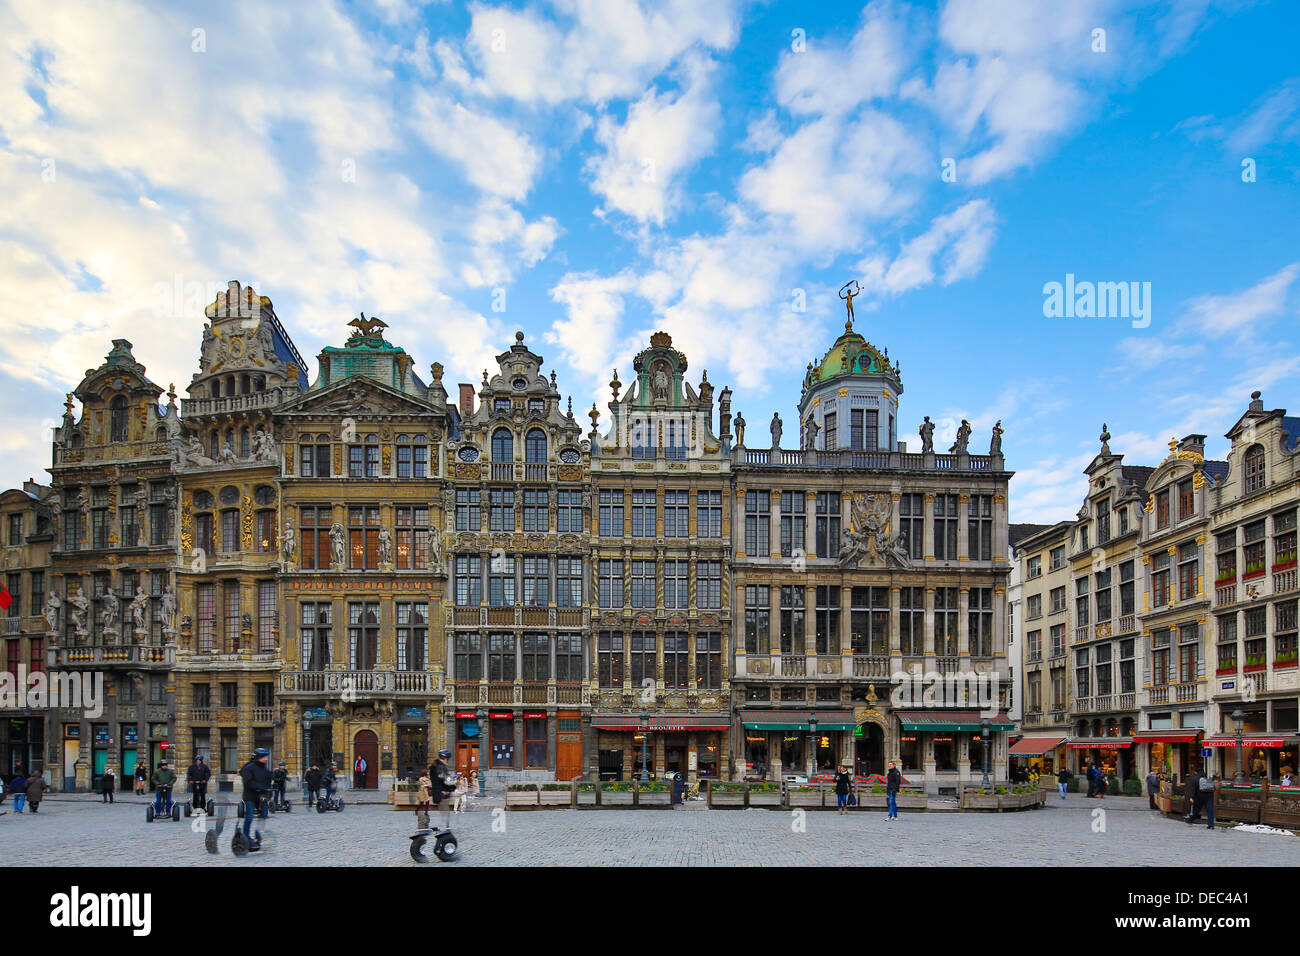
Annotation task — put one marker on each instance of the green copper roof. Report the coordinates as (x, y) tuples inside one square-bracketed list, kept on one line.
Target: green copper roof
[(850, 354)]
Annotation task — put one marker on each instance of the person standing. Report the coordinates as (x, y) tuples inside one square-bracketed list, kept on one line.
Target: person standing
[(279, 781), (35, 789), (312, 781), (461, 795), (141, 776), (443, 786), (163, 779), (197, 777), (1207, 800), (359, 773), (107, 784), (424, 797), (19, 786), (843, 786), (1193, 792), (1153, 787), (1092, 779), (257, 781), (1063, 781), (893, 781)]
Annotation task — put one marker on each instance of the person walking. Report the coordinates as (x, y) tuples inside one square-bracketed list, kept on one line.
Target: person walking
[(1092, 779), (1207, 800), (359, 773), (141, 776), (1101, 783), (19, 786), (312, 781), (440, 775), (35, 789), (843, 787), (1063, 781), (893, 781), (197, 777), (1192, 789), (424, 797), (1153, 787), (107, 784)]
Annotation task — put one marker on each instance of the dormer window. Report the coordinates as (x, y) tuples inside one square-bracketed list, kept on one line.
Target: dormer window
[(117, 419), (640, 439), (1186, 500), (1162, 509), (1103, 521), (537, 405), (1254, 469)]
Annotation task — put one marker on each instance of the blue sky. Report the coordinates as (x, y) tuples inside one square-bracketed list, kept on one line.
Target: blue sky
[(590, 171)]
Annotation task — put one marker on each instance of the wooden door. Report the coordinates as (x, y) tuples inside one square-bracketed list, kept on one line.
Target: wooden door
[(568, 745), (366, 746), (467, 757)]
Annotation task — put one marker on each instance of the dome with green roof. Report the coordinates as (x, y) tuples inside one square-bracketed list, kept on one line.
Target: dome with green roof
[(850, 398), (851, 354)]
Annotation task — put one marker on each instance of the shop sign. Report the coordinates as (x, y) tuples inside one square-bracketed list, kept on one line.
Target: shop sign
[(502, 716), (534, 716)]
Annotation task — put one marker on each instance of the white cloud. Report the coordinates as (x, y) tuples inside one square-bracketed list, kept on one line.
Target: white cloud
[(1242, 313), (494, 156), (955, 247), (1275, 121)]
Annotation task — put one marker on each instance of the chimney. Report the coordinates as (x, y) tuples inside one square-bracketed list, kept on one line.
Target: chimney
[(1193, 443), (466, 400)]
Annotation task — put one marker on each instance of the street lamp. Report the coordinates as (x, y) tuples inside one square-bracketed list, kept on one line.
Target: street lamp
[(812, 756), (984, 733), (481, 714), (645, 741), (1239, 719)]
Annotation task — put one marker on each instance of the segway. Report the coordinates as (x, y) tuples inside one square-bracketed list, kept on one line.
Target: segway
[(170, 810), (208, 808), (333, 801), (263, 809), (283, 805), (444, 845)]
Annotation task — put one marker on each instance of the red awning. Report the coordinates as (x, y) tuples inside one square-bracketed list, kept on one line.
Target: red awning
[(1099, 743), (659, 723), (1035, 746), (1247, 740), (1185, 736)]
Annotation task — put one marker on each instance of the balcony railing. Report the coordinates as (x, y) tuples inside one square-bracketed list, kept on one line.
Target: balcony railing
[(201, 715), (860, 458), (113, 656), (474, 693), (1284, 581), (793, 666), (269, 398), (13, 625), (947, 665), (1159, 695), (1127, 623), (535, 471), (534, 692), (335, 683), (1127, 701), (1083, 633), (1226, 594), (869, 666), (1184, 693), (568, 617), (263, 715), (502, 471)]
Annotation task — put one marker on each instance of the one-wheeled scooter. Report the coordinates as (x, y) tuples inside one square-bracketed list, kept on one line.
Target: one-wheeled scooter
[(444, 845), (162, 808)]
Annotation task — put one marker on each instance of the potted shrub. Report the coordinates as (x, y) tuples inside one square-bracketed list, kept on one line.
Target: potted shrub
[(980, 798), (1285, 659), (555, 795), (764, 795), (1254, 663), (724, 794), (873, 799), (585, 792), (653, 793), (521, 795), (617, 793)]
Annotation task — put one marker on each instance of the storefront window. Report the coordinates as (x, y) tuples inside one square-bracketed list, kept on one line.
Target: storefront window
[(792, 753), (976, 751), (535, 742), (945, 753), (825, 753), (909, 752), (503, 742), (756, 753), (707, 755)]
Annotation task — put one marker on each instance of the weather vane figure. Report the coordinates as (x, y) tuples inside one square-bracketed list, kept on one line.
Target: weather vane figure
[(850, 291)]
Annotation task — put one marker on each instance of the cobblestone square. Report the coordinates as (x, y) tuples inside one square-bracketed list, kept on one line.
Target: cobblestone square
[(81, 832)]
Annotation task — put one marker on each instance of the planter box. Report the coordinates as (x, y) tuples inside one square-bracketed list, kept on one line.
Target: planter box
[(521, 798), (403, 799), (797, 799), (874, 801), (654, 798), (616, 798), (913, 801), (1000, 801), (555, 798), (720, 798), (764, 798), (586, 798)]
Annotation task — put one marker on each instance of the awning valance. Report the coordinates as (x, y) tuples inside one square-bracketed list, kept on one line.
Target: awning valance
[(1034, 746), (1099, 743), (797, 719), (1180, 736), (661, 723), (1247, 740), (960, 721)]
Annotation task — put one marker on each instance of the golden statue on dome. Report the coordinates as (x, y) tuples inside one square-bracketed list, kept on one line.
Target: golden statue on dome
[(848, 293)]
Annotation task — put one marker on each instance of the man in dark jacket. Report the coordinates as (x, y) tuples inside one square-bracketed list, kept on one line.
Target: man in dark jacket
[(18, 785), (1193, 791), (279, 780), (1153, 787), (257, 782), (893, 782), (107, 784), (35, 789), (163, 779), (440, 774), (313, 780), (1063, 781), (197, 777)]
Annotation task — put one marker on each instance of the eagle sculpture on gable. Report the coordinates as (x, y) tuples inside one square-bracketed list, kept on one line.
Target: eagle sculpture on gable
[(368, 327)]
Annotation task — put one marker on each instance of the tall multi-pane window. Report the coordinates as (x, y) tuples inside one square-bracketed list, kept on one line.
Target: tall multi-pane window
[(911, 523), (264, 531), (979, 527), (15, 530), (830, 432), (979, 619), (643, 653), (568, 582), (1159, 580), (1082, 673), (708, 584), (677, 514), (503, 445), (869, 623), (158, 524), (642, 439), (205, 617), (1160, 664), (1101, 596), (827, 614), (37, 603), (945, 622), (568, 511), (99, 523), (643, 584), (412, 635), (535, 446), (1127, 667), (708, 514), (314, 538), (118, 419), (758, 523), (537, 581), (1081, 602), (411, 528), (675, 444), (412, 456), (468, 658), (71, 521), (758, 612), (945, 527), (1103, 520), (229, 530), (568, 658), (266, 615), (469, 580), (1162, 509), (676, 584), (501, 509), (911, 621), (792, 615), (467, 510), (536, 509), (1188, 571), (643, 514), (611, 514), (1284, 539), (676, 659), (610, 582), (1102, 670), (501, 580), (1127, 597), (609, 659), (1189, 643), (363, 536), (363, 635), (793, 523), (1253, 564), (1254, 469), (501, 658), (708, 661), (314, 456), (128, 517), (827, 531), (1186, 499), (535, 658), (363, 458)]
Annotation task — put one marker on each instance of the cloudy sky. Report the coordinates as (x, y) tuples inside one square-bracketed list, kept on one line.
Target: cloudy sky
[(590, 171)]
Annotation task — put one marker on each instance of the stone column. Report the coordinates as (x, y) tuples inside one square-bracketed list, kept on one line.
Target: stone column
[(963, 621), (774, 532), (929, 529), (929, 629), (810, 619), (963, 537)]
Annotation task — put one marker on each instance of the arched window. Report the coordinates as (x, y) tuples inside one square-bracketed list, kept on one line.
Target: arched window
[(245, 385), (1254, 469), (117, 425), (160, 434), (244, 442), (503, 445), (216, 388), (214, 443), (230, 385), (535, 445), (230, 438)]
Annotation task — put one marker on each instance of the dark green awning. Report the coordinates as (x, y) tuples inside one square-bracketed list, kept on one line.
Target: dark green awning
[(796, 719), (952, 721)]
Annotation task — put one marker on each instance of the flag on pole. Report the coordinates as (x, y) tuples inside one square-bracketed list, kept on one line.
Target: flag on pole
[(6, 599)]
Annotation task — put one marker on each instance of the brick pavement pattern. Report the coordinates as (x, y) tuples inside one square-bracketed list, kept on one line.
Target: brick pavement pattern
[(73, 832)]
